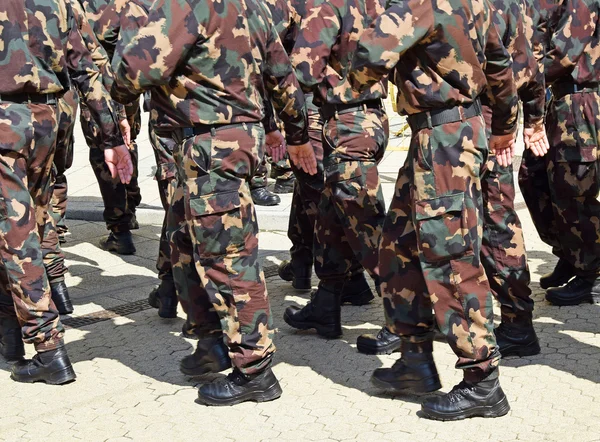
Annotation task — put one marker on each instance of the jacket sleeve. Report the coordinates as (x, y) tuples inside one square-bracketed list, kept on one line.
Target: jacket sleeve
[(152, 56)]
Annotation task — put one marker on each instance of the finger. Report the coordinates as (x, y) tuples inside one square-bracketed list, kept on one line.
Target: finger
[(112, 168)]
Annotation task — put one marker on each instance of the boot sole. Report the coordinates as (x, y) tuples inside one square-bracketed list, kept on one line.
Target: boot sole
[(61, 377), (270, 394), (358, 300), (520, 351), (387, 349), (498, 410), (428, 385), (572, 302), (327, 333), (118, 250)]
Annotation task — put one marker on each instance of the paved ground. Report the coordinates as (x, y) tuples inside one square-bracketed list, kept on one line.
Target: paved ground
[(129, 386)]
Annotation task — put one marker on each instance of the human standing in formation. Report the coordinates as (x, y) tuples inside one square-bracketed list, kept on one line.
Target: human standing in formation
[(226, 83)]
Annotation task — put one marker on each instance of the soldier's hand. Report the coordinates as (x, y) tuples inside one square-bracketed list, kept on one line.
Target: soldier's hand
[(536, 140), (275, 145), (503, 146), (119, 163), (125, 131), (303, 156)]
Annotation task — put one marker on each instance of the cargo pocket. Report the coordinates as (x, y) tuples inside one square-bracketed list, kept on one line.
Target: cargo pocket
[(218, 224), (442, 228), (576, 171)]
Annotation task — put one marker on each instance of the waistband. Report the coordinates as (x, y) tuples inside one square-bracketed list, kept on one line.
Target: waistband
[(328, 111), (562, 89), (438, 117), (50, 99)]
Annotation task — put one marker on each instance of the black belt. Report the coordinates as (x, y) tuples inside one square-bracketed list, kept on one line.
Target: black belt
[(438, 117), (330, 110), (560, 90), (29, 98)]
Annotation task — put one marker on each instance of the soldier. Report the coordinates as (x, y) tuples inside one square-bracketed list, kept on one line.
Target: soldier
[(29, 124), (430, 251), (120, 200), (503, 245), (209, 69), (562, 192), (355, 135), (54, 259)]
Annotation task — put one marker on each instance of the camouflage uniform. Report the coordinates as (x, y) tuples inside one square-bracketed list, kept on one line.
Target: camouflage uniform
[(219, 144), (562, 191), (503, 244), (28, 103), (355, 135), (431, 241), (54, 259), (120, 200), (63, 159)]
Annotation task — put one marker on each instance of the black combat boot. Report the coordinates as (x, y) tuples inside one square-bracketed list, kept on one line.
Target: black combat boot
[(356, 291), (119, 242), (562, 273), (11, 340), (485, 399), (384, 343), (284, 186), (60, 296), (263, 197), (323, 312), (580, 290), (299, 275), (164, 298), (52, 367), (517, 339), (415, 372), (238, 387), (211, 356)]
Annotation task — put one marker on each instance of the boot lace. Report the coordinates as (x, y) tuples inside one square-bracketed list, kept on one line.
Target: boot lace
[(460, 391)]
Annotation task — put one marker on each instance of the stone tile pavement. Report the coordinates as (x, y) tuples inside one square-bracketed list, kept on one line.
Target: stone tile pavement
[(126, 357)]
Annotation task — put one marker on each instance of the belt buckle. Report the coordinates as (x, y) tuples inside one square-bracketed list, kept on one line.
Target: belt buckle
[(187, 132), (429, 122)]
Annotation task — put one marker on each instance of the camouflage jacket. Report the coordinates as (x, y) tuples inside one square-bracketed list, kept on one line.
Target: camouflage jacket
[(512, 28), (573, 42), (47, 54), (325, 46), (98, 53), (449, 53), (217, 60), (286, 21)]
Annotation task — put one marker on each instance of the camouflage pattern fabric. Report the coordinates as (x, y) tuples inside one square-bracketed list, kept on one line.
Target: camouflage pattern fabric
[(28, 144), (353, 145), (503, 244), (353, 141), (573, 164), (215, 165), (561, 191), (54, 258), (221, 223), (63, 159), (431, 240), (166, 177), (120, 200), (307, 195)]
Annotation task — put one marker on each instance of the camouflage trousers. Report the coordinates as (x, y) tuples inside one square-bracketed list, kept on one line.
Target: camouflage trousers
[(213, 231), (120, 200), (27, 143), (351, 208), (279, 170), (166, 177), (431, 245), (503, 252), (54, 258), (561, 190), (306, 196)]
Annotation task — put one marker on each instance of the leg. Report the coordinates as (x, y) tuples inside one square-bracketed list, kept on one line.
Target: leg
[(261, 196)]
